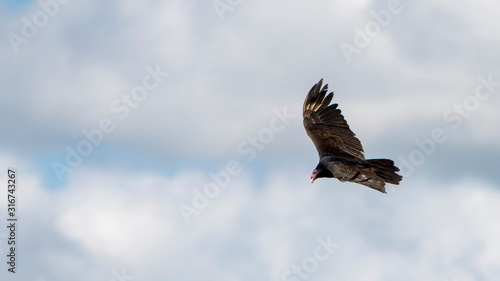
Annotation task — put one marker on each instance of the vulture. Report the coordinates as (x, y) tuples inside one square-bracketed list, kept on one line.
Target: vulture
[(340, 152)]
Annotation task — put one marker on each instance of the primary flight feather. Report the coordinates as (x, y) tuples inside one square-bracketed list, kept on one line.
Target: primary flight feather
[(340, 152)]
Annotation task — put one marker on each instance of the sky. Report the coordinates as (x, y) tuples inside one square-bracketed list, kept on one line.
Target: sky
[(163, 140)]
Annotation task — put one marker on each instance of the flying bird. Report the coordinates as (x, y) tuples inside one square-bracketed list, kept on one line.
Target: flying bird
[(340, 152)]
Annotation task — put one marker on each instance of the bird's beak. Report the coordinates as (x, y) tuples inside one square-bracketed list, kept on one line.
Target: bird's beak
[(313, 176)]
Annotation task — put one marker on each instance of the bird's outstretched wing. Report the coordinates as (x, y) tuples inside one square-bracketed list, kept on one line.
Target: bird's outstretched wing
[(326, 126)]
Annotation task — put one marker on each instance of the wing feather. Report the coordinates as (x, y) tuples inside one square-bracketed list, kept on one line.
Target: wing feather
[(327, 127)]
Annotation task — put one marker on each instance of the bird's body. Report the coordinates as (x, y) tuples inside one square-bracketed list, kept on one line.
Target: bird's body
[(340, 152)]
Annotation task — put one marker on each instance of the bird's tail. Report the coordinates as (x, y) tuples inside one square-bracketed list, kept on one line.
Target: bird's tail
[(385, 169)]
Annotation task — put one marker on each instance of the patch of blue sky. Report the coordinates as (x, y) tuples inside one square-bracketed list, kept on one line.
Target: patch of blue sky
[(111, 157), (17, 4)]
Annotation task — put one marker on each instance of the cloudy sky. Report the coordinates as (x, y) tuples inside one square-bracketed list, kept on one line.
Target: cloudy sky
[(163, 140)]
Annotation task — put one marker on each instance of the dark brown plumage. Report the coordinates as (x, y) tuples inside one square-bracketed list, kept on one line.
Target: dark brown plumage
[(340, 152)]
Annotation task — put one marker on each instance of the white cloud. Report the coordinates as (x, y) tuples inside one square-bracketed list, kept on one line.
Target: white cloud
[(212, 93), (132, 220), (226, 79)]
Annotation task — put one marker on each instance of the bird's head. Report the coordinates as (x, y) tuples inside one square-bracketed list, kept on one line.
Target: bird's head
[(321, 172), (314, 175)]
